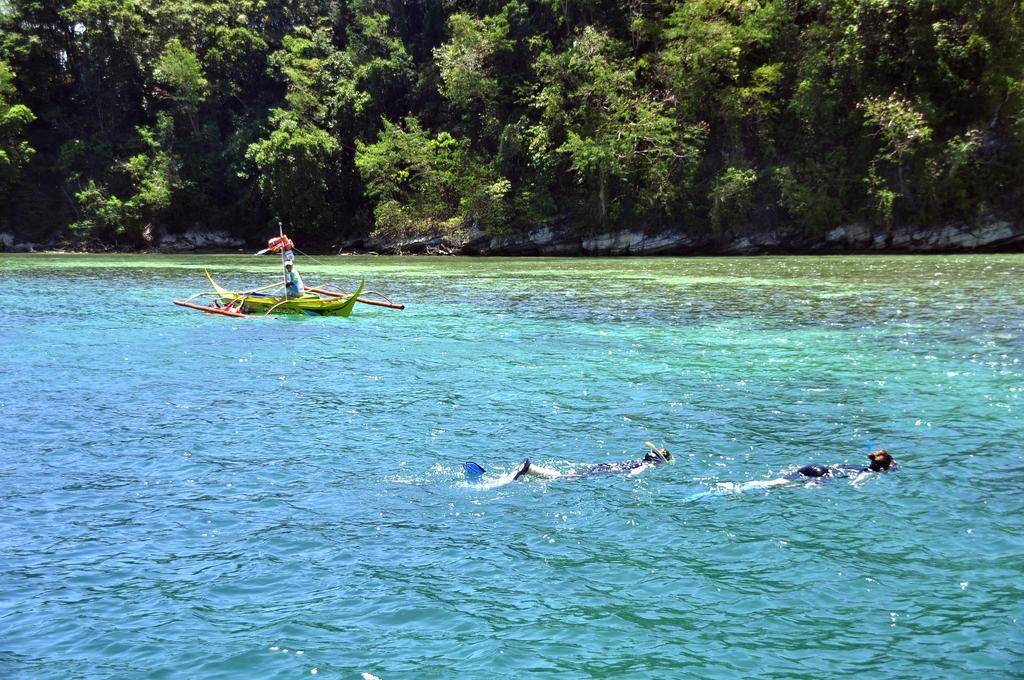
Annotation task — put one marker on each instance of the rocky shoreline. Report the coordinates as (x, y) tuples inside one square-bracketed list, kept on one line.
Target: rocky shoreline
[(194, 240), (993, 235)]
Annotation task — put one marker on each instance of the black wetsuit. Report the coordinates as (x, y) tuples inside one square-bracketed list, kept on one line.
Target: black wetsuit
[(616, 468), (816, 471)]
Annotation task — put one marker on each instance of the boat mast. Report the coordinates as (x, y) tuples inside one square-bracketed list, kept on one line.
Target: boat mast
[(284, 269)]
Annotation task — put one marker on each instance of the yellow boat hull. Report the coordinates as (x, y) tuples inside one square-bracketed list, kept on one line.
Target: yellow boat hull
[(310, 304)]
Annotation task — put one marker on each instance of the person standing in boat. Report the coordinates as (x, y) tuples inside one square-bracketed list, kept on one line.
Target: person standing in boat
[(292, 280)]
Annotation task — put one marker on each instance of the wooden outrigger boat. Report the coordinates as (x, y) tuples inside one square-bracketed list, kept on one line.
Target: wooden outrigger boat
[(325, 300), (259, 302)]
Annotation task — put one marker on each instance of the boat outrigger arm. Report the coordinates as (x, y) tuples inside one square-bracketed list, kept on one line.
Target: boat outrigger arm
[(382, 302)]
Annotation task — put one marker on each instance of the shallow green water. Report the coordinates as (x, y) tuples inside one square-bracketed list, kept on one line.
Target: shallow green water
[(191, 496)]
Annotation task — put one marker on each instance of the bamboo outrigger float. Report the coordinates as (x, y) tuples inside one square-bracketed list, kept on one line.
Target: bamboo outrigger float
[(325, 300)]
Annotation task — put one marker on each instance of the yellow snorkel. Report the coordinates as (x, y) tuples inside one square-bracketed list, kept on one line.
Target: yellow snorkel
[(661, 453)]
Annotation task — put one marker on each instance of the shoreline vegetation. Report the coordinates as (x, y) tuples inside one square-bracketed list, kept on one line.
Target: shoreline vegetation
[(513, 128)]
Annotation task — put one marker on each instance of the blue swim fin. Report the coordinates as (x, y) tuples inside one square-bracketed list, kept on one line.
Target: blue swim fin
[(472, 469)]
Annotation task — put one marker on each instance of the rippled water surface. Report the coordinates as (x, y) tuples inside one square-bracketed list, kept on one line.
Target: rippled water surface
[(191, 496)]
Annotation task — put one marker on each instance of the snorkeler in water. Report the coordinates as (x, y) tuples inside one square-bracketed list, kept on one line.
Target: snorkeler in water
[(881, 461), (656, 456)]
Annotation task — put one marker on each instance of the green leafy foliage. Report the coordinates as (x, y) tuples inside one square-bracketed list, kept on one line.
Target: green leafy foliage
[(119, 116), (179, 71), (294, 167), (417, 179), (464, 60), (150, 179), (627, 151), (15, 151), (731, 197)]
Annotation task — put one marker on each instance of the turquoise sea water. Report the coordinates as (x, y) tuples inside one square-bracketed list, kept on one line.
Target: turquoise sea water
[(186, 496)]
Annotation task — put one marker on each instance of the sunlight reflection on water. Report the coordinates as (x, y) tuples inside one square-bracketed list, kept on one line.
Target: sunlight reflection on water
[(191, 496)]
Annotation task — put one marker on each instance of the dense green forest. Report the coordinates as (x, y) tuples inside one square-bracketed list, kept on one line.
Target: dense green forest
[(346, 117)]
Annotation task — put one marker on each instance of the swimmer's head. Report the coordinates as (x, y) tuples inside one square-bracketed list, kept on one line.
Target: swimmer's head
[(657, 455), (880, 460)]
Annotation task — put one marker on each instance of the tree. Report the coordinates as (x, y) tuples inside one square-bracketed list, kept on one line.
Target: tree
[(901, 128), (179, 71), (236, 64), (295, 167), (15, 151), (720, 61), (625, 147), (151, 178), (463, 60), (731, 197), (108, 53), (384, 69), (429, 183)]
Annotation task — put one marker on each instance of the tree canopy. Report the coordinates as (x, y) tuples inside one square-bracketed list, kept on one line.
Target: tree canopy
[(349, 117)]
